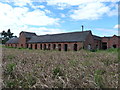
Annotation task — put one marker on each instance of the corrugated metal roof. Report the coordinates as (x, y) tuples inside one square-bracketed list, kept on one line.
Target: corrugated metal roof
[(63, 37), (12, 40)]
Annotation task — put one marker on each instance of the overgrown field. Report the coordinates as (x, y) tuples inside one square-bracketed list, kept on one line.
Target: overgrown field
[(24, 68)]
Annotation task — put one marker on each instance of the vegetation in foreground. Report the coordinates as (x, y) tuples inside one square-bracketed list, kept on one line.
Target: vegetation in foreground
[(24, 68)]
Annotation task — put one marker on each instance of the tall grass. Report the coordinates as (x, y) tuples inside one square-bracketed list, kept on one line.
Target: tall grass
[(59, 69)]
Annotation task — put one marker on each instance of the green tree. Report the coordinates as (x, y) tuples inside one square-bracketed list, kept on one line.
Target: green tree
[(9, 34), (6, 36)]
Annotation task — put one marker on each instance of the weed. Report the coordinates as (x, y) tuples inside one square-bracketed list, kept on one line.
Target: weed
[(107, 62), (10, 68), (57, 72), (10, 84), (112, 50), (10, 57), (31, 80), (86, 63), (98, 78), (100, 72), (73, 62)]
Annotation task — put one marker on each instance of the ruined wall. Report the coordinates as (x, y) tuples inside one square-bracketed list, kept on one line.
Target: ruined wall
[(115, 40)]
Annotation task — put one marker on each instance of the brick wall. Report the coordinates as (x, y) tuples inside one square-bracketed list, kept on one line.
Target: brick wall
[(22, 41), (112, 41), (89, 41), (59, 46)]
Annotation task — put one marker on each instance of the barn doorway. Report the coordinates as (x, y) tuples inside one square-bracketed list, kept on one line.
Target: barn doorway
[(44, 46), (59, 47), (21, 45), (16, 45), (75, 47), (104, 45), (35, 46), (54, 46), (48, 46), (65, 47), (114, 46), (26, 45), (41, 46)]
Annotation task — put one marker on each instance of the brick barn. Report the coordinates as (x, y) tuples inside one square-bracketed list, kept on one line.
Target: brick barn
[(64, 41)]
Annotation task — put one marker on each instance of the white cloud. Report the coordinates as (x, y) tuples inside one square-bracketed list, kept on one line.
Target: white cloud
[(75, 2), (38, 6), (10, 15), (87, 9), (21, 2), (63, 15), (38, 17), (47, 11), (44, 30), (19, 18), (117, 26), (90, 11)]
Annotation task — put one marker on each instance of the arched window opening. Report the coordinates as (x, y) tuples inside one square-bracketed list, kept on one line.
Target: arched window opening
[(59, 47), (48, 46), (104, 45), (54, 46), (22, 45), (75, 47), (35, 46), (114, 46), (15, 45), (65, 47), (41, 46), (26, 45)]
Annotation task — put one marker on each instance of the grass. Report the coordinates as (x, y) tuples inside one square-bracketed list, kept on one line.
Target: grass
[(58, 69)]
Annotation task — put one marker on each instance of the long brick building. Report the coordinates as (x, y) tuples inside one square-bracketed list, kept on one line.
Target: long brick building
[(64, 41)]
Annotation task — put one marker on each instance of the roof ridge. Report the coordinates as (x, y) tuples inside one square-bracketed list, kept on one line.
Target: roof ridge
[(27, 32), (63, 33)]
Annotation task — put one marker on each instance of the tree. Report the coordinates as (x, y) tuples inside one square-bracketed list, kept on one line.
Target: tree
[(9, 34), (6, 36)]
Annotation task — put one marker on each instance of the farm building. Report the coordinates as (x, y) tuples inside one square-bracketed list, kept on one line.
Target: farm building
[(64, 41)]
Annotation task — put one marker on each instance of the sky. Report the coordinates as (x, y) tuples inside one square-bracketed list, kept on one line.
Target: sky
[(60, 16)]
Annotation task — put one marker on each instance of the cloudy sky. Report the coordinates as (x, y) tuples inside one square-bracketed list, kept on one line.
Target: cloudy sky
[(58, 16)]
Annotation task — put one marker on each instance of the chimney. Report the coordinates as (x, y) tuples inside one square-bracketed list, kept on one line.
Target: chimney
[(82, 28)]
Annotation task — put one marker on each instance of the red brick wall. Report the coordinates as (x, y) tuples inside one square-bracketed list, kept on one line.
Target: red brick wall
[(70, 46), (99, 43), (89, 40), (22, 41), (111, 41)]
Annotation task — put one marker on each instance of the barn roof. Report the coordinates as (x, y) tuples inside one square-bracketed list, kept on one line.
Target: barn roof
[(28, 34), (97, 37), (12, 40), (63, 37)]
